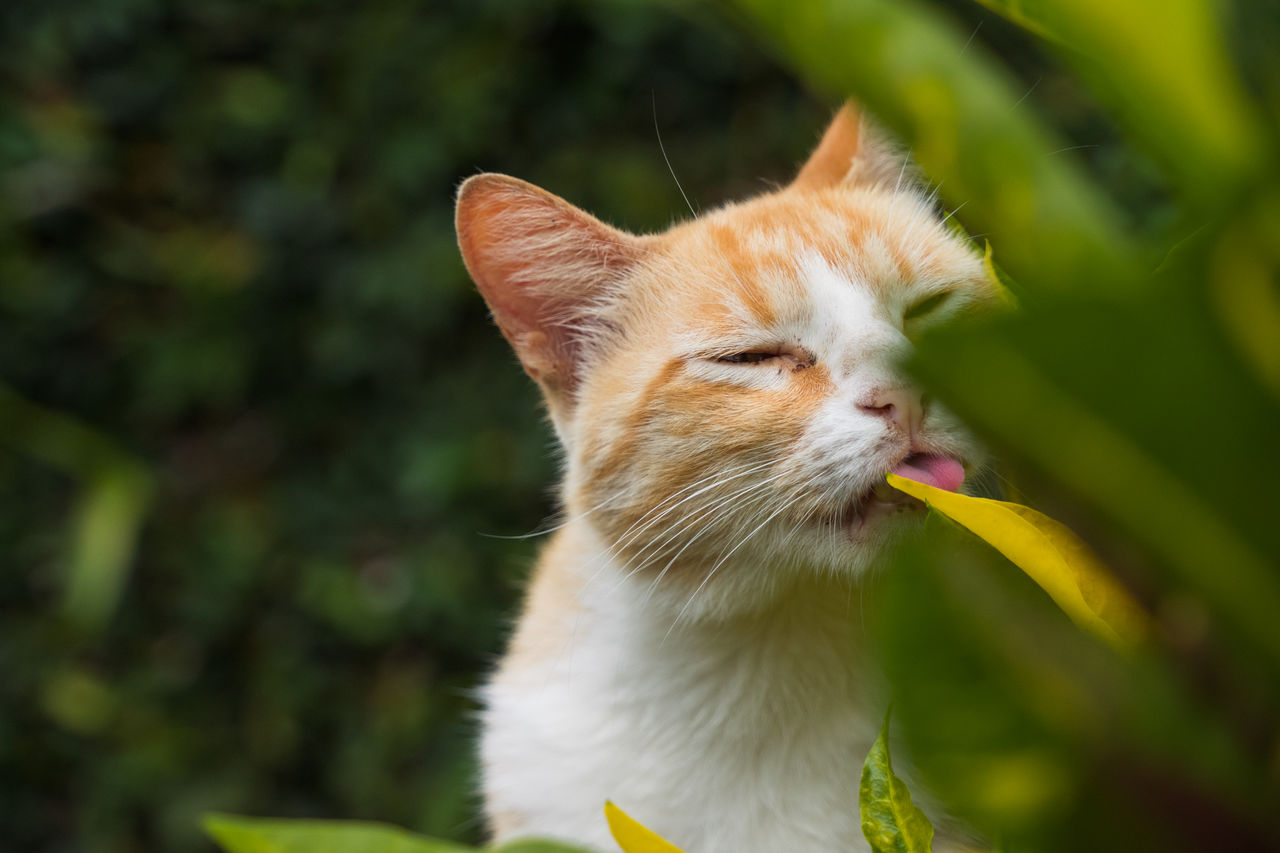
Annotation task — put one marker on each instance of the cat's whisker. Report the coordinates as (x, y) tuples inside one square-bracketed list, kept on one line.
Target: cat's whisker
[(652, 586), (1071, 148), (686, 522), (720, 563), (735, 472), (906, 158), (798, 526), (663, 149), (746, 519), (954, 211), (604, 557), (665, 506), (1013, 489), (926, 210), (702, 512), (1026, 94), (625, 540), (569, 518), (893, 214)]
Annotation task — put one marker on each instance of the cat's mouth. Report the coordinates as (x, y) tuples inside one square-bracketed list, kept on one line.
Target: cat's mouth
[(934, 469)]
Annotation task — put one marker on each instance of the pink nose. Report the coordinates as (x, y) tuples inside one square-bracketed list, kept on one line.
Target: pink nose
[(901, 408)]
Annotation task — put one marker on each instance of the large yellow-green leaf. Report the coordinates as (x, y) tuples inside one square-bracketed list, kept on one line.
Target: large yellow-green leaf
[(891, 823), (633, 836), (1117, 436), (961, 116), (1049, 553), (1164, 65), (258, 835)]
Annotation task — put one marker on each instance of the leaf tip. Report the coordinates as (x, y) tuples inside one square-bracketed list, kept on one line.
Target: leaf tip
[(633, 836)]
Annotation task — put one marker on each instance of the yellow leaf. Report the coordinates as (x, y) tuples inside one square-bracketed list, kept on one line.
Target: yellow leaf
[(1050, 554), (634, 837)]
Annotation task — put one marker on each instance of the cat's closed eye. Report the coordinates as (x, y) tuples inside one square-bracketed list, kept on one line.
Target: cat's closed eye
[(796, 358), (926, 306), (748, 357)]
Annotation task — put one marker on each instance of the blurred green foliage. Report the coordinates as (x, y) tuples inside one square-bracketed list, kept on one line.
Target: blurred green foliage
[(1135, 390), (231, 310), (229, 281)]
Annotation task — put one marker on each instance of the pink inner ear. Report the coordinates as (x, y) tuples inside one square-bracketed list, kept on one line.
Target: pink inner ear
[(540, 263)]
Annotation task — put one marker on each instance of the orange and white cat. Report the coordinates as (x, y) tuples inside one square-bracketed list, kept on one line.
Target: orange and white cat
[(728, 398)]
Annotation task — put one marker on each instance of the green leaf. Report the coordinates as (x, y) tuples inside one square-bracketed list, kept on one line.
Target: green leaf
[(890, 821), (1173, 82), (258, 835), (109, 514), (633, 836), (960, 115), (116, 494), (1049, 553)]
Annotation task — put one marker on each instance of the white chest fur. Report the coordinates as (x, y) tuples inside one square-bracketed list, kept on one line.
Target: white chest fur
[(742, 735)]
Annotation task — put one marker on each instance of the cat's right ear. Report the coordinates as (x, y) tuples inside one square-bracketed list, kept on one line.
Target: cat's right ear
[(853, 152), (547, 270)]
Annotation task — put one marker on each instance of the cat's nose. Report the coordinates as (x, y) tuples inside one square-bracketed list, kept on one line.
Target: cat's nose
[(901, 408)]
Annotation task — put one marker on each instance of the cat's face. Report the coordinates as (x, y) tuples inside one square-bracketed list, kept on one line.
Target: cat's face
[(728, 392)]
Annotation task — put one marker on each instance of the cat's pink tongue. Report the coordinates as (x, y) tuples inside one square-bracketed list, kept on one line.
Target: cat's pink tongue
[(932, 469)]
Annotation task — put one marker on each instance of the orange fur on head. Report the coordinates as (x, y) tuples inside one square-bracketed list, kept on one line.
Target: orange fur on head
[(729, 341)]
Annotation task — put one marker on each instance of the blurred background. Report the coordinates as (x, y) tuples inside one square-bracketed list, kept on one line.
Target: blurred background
[(233, 320)]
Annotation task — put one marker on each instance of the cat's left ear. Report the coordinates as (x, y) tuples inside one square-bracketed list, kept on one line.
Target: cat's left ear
[(853, 152), (547, 270)]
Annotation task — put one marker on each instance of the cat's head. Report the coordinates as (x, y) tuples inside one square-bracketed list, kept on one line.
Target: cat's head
[(728, 392)]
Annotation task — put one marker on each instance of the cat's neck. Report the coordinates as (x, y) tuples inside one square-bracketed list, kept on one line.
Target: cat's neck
[(767, 709), (804, 644)]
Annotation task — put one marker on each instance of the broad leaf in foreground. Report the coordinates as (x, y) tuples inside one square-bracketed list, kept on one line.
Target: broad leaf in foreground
[(891, 823)]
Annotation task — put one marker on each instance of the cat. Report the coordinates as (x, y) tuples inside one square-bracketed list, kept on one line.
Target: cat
[(728, 398)]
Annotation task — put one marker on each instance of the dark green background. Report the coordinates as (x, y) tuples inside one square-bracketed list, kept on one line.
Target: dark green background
[(226, 243)]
